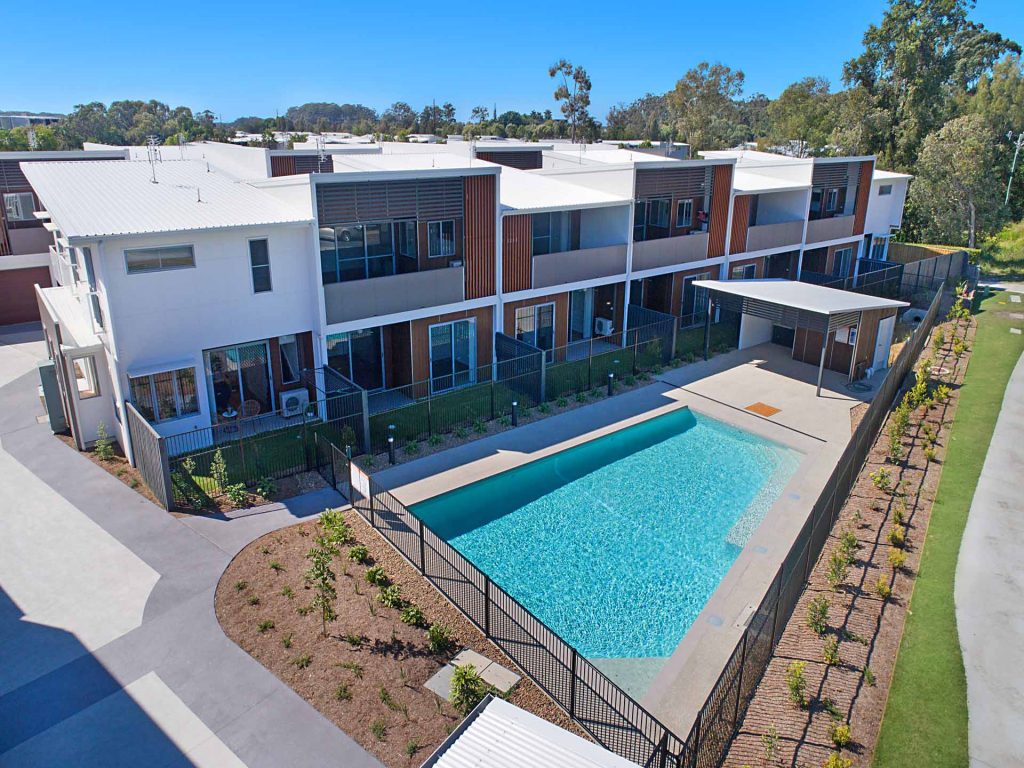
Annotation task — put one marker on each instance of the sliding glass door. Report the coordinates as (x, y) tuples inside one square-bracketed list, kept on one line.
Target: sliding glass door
[(452, 355), (536, 325), (581, 314), (358, 356), (238, 380)]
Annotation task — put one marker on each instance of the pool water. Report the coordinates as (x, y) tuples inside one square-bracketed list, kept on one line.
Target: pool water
[(618, 543)]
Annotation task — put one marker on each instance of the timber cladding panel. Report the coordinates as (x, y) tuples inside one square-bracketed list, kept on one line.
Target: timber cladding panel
[(860, 208), (740, 219), (19, 304), (721, 188), (481, 238), (526, 160), (516, 253), (282, 165), (561, 302), (807, 349), (420, 338)]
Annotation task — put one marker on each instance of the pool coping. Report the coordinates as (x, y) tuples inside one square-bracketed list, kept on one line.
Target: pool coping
[(681, 687)]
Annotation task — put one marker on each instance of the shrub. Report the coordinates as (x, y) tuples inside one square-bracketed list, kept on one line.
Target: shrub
[(434, 440), (869, 677), (505, 421), (265, 626), (897, 536), (237, 495), (358, 554), (104, 445), (461, 433), (412, 747), (286, 641), (881, 478), (796, 683), (439, 638), (322, 578), (354, 639), (240, 585), (343, 692), (413, 616), (266, 487), (411, 448), (581, 397), (817, 615), (376, 576), (939, 341), (253, 600), (899, 512), (837, 570), (897, 558), (849, 545), (379, 729), (839, 734), (895, 450), (287, 591), (770, 744), (332, 523), (303, 661), (882, 588), (942, 393), (219, 469), (959, 347), (275, 566), (836, 760), (830, 651), (931, 454), (544, 408), (467, 689), (391, 596), (479, 425), (562, 401)]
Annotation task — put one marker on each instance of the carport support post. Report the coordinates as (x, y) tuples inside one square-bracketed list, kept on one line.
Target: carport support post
[(821, 364), (707, 328)]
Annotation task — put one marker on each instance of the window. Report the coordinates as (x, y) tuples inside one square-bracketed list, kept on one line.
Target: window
[(841, 262), (291, 367), (684, 213), (358, 356), (552, 233), (85, 377), (885, 189), (165, 395), (536, 325), (744, 272), (452, 355), (831, 200), (657, 213), (259, 263), (18, 206), (440, 238), (357, 252), (878, 248), (405, 239), (139, 260), (639, 221)]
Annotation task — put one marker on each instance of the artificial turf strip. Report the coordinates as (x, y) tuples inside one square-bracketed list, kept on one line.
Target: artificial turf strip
[(925, 719)]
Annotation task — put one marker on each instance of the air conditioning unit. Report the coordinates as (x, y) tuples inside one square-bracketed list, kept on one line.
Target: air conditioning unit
[(603, 326), (293, 403)]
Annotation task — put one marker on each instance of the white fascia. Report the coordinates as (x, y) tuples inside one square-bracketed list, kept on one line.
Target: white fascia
[(414, 314)]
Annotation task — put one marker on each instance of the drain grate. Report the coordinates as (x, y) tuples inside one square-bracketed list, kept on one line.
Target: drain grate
[(762, 409)]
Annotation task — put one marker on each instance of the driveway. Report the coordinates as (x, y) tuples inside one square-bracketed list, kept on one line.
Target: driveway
[(112, 652), (989, 593)]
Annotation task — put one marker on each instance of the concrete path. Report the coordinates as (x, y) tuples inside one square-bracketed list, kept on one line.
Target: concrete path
[(989, 593), (112, 654)]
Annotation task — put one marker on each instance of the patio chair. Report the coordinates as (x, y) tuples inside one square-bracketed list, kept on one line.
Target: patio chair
[(251, 408)]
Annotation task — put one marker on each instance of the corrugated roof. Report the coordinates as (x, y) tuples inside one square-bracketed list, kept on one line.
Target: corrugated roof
[(104, 199), (523, 192), (805, 296), (500, 735), (745, 181), (880, 175)]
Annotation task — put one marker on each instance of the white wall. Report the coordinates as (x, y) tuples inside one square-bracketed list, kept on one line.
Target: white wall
[(617, 181), (604, 226), (776, 207), (162, 320), (754, 331), (885, 211)]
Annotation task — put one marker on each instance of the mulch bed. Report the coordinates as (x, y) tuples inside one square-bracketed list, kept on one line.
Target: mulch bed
[(867, 627), (391, 656)]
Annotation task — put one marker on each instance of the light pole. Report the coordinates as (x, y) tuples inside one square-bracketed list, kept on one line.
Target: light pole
[(1013, 166)]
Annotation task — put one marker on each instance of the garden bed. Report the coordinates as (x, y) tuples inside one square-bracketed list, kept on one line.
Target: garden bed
[(367, 675), (849, 659)]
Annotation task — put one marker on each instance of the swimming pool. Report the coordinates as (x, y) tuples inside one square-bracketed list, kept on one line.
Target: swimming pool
[(618, 543)]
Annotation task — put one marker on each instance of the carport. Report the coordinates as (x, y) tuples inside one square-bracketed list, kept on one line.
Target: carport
[(843, 331)]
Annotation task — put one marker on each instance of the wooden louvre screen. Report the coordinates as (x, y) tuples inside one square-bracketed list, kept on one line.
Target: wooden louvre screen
[(673, 182), (422, 199), (832, 174), (313, 164)]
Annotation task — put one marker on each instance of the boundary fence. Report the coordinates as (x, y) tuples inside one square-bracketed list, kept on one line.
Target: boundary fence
[(723, 711), (590, 698)]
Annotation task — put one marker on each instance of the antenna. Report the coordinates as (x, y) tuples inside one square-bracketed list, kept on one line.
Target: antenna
[(151, 155), (321, 153), (32, 143), (181, 145)]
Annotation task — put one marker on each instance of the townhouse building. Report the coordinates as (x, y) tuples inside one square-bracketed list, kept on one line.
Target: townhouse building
[(216, 282)]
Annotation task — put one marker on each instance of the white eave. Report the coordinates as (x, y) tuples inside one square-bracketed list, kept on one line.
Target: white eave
[(805, 296)]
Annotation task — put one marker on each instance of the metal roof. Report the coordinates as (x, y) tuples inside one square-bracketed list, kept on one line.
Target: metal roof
[(104, 199), (500, 735), (804, 296), (524, 192)]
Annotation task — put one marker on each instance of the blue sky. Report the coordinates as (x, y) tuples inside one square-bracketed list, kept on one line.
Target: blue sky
[(256, 57)]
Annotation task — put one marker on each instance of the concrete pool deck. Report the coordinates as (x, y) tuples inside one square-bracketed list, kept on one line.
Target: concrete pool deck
[(722, 388)]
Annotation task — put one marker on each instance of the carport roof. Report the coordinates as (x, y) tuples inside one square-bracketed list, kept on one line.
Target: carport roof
[(803, 296)]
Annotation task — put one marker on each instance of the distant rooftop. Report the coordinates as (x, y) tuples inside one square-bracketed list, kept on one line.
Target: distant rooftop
[(103, 199)]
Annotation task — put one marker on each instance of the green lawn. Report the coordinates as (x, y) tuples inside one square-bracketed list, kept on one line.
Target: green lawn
[(926, 715), (1003, 255)]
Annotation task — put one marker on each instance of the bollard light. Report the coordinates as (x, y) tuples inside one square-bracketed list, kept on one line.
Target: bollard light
[(391, 449), (611, 382), (515, 413)]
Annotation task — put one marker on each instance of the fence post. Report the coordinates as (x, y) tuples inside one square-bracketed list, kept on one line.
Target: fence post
[(487, 606), (430, 414), (590, 364), (739, 680), (423, 558), (572, 685), (305, 445), (165, 473), (543, 378), (492, 399), (365, 404), (636, 349), (674, 337)]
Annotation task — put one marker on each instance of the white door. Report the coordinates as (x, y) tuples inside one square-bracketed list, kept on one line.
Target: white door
[(882, 342)]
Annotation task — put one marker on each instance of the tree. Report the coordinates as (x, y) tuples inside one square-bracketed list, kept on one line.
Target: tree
[(753, 114), (803, 113), (922, 51), (703, 106), (644, 118), (322, 578), (860, 125), (574, 92), (956, 197)]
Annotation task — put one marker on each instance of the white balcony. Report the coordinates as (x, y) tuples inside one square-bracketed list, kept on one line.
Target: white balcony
[(821, 230), (378, 296), (584, 264), (763, 236), (670, 251)]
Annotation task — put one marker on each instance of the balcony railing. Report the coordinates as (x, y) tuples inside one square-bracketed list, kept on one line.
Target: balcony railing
[(363, 299), (584, 264), (668, 251), (764, 236), (820, 230)]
